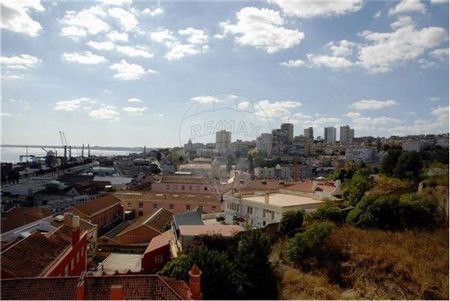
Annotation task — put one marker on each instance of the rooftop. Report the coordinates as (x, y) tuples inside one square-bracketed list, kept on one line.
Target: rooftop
[(282, 200), (97, 205), (21, 216), (159, 241), (183, 179), (122, 263), (224, 230), (31, 256), (189, 218)]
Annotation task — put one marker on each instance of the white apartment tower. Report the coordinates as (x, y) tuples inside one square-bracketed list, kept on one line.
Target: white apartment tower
[(329, 135), (346, 134), (223, 140)]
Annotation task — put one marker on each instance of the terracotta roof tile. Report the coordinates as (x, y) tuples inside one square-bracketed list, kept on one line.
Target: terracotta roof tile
[(159, 241), (31, 256), (20, 216), (99, 204), (39, 288)]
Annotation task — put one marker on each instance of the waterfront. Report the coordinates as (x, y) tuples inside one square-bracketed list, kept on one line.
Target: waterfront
[(12, 154)]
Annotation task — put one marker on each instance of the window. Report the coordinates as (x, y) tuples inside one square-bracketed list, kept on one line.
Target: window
[(129, 205), (188, 207), (264, 213), (155, 205), (141, 213), (159, 259), (168, 186), (214, 208), (141, 205), (190, 187), (249, 210), (182, 187), (171, 206), (273, 214), (206, 188), (66, 271)]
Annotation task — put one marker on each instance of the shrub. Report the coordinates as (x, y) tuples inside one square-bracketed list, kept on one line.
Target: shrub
[(291, 223), (393, 212), (354, 189), (328, 211), (305, 245)]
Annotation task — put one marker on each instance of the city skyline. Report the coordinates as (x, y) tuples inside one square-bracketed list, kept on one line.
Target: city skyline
[(123, 73)]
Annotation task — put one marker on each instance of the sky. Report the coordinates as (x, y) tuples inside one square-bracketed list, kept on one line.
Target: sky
[(156, 73)]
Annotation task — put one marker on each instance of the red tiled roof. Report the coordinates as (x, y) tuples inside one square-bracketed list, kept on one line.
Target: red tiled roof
[(159, 241), (304, 186), (156, 221), (135, 287), (97, 205), (32, 256), (62, 288), (20, 216)]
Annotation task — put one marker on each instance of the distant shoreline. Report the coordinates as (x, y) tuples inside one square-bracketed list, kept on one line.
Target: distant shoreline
[(118, 148)]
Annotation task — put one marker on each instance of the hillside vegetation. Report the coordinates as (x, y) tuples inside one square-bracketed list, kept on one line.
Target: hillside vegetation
[(370, 264)]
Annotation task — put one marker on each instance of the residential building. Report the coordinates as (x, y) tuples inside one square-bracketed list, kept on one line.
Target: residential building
[(346, 134), (21, 216), (106, 287), (282, 139), (309, 133), (183, 183), (60, 252), (223, 140), (157, 253), (330, 135), (140, 231), (301, 146), (264, 143), (106, 212), (365, 154), (145, 203), (412, 146)]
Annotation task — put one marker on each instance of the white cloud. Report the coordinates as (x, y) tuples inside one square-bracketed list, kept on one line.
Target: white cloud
[(196, 41), (318, 8), (434, 98), (377, 15), (441, 113), (127, 71), (360, 121), (116, 2), (402, 21), (437, 124), (267, 109), (440, 54), (407, 6), (86, 21), (106, 112), (116, 36), (71, 105), (135, 110), (425, 64), (101, 45), (5, 114), (125, 17), (205, 99), (16, 16), (332, 62), (134, 100), (135, 51), (384, 50), (243, 105), (153, 12), (372, 104), (86, 58), (293, 63), (14, 66), (263, 29), (341, 48), (439, 1)]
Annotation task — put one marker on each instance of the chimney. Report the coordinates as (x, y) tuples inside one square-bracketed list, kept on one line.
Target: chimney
[(75, 229), (195, 282), (80, 291), (116, 292), (266, 199)]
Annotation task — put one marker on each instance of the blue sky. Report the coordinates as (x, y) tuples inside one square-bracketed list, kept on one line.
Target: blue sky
[(125, 73)]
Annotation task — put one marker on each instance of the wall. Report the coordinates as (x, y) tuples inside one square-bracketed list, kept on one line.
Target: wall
[(80, 266), (148, 260)]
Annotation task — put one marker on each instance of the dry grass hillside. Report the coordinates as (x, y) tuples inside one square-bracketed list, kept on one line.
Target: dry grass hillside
[(372, 264)]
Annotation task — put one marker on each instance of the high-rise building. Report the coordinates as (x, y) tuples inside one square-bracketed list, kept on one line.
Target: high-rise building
[(309, 133), (346, 135), (300, 146), (329, 135), (282, 139), (264, 143), (223, 140)]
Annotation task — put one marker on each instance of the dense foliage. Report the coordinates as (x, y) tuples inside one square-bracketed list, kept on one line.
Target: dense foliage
[(291, 223), (395, 212), (354, 189), (403, 165), (305, 244), (232, 269), (328, 211)]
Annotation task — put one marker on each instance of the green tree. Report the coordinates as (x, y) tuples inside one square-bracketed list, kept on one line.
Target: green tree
[(408, 166), (306, 244), (328, 211), (389, 161), (291, 223), (354, 189)]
